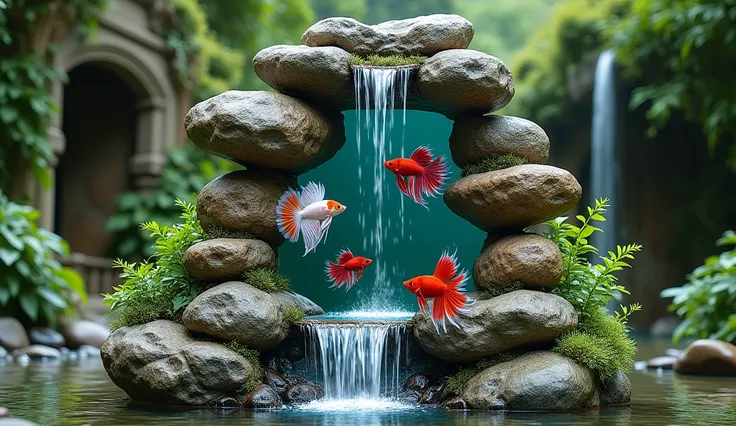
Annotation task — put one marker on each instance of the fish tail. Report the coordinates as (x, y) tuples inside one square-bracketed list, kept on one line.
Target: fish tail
[(432, 179), (287, 215), (338, 275), (449, 305)]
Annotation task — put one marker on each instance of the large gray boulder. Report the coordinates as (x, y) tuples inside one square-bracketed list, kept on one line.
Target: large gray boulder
[(225, 258), (465, 81), (513, 198), (540, 381), (475, 138), (265, 129), (496, 325), (423, 35), (160, 362), (295, 300), (237, 311), (244, 200), (12, 334)]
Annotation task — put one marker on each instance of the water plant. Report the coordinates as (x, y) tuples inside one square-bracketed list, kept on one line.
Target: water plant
[(493, 163), (158, 290), (267, 280), (34, 284), (705, 303), (387, 61)]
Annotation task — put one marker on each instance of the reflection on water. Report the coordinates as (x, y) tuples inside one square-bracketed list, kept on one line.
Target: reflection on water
[(81, 394)]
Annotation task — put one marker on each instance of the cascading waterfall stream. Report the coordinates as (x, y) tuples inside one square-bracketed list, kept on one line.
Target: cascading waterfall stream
[(376, 91), (357, 360)]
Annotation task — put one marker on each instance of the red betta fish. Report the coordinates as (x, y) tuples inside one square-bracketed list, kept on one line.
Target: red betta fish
[(424, 176), (348, 269), (444, 288)]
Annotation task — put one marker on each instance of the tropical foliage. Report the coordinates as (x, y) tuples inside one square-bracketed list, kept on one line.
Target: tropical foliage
[(706, 302), (34, 284)]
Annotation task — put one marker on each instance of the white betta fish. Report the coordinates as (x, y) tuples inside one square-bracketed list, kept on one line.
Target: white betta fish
[(307, 213)]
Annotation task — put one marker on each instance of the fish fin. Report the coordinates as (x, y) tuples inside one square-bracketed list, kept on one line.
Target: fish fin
[(311, 234), (287, 215), (422, 305), (337, 274), (446, 267), (312, 193), (324, 227), (344, 256), (401, 184), (448, 306), (422, 155), (415, 192), (432, 180)]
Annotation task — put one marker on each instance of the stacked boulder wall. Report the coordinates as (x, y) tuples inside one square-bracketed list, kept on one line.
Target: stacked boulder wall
[(160, 362), (515, 197), (497, 325), (224, 258), (528, 259), (237, 311), (475, 138), (244, 200), (423, 35), (266, 130), (540, 381)]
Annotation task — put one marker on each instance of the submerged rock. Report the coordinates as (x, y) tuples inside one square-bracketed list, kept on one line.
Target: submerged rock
[(4, 412), (475, 138), (295, 300), (515, 197), (225, 258), (237, 311), (160, 362), (708, 357), (663, 362), (418, 382), (617, 392), (10, 421), (301, 394), (277, 382), (465, 81), (244, 200), (496, 325), (529, 259), (433, 395), (84, 332), (541, 381), (47, 337), (423, 35), (320, 74), (456, 403), (265, 130), (38, 351), (410, 396), (12, 334), (263, 396)]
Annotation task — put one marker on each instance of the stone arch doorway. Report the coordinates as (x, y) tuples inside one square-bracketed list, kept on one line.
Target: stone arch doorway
[(100, 124)]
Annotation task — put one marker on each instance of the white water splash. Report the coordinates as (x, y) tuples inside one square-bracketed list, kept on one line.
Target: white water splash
[(376, 90)]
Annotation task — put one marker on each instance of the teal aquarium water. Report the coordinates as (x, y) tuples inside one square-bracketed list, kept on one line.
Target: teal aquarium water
[(403, 238)]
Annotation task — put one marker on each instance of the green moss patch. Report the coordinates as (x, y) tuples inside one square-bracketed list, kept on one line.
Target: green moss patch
[(292, 316), (218, 232), (493, 163), (387, 61), (267, 280), (600, 343), (495, 291), (457, 382), (252, 355)]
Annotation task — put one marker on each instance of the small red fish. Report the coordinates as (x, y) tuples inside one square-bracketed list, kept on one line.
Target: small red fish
[(444, 289), (424, 176), (348, 269)]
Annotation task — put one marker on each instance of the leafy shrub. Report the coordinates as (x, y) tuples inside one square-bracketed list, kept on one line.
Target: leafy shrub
[(493, 163), (706, 301), (162, 289), (267, 280), (387, 61), (588, 287), (457, 382), (186, 172), (30, 277), (292, 316)]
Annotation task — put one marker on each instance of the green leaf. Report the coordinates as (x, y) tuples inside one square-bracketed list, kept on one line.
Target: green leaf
[(29, 304), (9, 257), (52, 297), (11, 238)]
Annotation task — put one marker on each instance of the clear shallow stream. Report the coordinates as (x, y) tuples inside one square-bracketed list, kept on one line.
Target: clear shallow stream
[(80, 393)]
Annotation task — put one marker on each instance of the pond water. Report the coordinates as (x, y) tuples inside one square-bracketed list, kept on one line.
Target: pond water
[(80, 393)]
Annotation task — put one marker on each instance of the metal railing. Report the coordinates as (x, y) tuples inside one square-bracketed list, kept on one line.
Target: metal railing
[(97, 272)]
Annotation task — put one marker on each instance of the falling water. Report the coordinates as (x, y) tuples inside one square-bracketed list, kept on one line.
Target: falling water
[(357, 360), (376, 91), (604, 161)]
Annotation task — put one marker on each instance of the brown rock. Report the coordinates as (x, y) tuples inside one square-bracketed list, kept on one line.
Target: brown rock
[(475, 138), (263, 397), (708, 357), (302, 394), (318, 74), (456, 404), (466, 80), (224, 258), (266, 130), (244, 200), (515, 197), (529, 259)]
